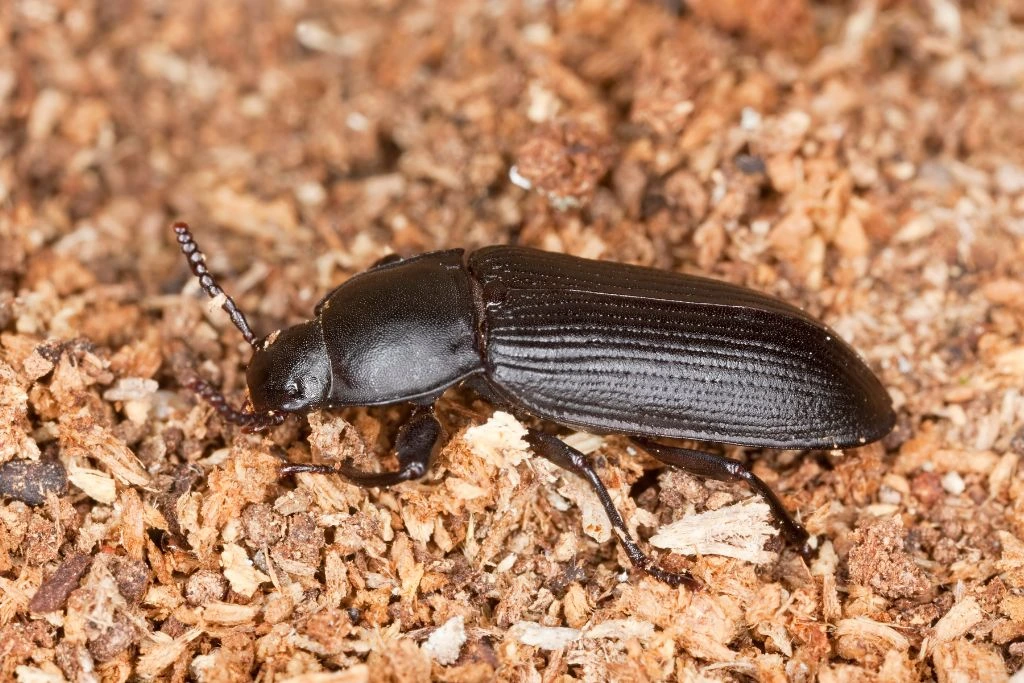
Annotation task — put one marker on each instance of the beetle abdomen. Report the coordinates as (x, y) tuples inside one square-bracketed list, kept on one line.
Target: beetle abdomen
[(612, 347)]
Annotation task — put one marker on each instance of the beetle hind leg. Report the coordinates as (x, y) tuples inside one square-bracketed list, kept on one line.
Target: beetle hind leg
[(565, 456), (414, 447), (721, 468)]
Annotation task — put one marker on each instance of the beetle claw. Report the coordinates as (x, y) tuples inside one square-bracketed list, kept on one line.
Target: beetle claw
[(673, 579)]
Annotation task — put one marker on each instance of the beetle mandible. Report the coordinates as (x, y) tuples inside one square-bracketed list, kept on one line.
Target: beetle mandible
[(596, 345)]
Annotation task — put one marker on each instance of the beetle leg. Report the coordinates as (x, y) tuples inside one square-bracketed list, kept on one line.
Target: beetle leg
[(721, 468), (565, 456), (414, 447)]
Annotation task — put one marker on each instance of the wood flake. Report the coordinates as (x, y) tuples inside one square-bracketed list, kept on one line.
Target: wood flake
[(96, 484), (739, 530), (959, 620), (544, 637), (445, 643), (244, 578)]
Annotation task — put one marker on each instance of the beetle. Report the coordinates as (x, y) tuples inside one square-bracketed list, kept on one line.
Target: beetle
[(595, 345)]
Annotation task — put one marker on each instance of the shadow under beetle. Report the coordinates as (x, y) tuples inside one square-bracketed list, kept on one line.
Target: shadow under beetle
[(600, 346)]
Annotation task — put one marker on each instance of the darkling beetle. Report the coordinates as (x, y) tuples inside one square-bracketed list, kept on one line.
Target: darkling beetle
[(600, 346)]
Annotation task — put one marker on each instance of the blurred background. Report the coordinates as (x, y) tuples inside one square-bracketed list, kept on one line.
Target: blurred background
[(862, 159)]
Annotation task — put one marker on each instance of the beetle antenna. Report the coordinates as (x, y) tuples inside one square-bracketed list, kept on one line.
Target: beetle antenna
[(250, 422), (197, 262)]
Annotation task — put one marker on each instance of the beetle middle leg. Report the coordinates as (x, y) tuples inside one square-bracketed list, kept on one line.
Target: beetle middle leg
[(721, 468), (565, 456), (414, 447)]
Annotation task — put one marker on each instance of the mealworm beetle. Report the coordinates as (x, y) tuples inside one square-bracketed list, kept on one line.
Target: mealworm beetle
[(600, 346)]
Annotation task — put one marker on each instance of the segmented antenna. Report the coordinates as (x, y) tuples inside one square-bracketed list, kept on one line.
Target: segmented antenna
[(197, 262), (250, 422)]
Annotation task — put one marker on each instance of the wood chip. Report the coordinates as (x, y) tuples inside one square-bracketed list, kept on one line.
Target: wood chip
[(31, 481), (163, 651), (739, 530), (226, 614), (499, 441), (97, 485), (544, 637), (864, 628), (244, 578), (53, 593), (621, 629), (962, 660), (359, 673), (445, 643), (961, 618), (80, 440)]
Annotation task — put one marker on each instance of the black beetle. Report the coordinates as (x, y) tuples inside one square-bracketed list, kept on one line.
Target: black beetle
[(600, 346)]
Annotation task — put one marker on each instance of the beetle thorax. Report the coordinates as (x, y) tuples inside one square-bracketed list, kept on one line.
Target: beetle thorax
[(401, 332)]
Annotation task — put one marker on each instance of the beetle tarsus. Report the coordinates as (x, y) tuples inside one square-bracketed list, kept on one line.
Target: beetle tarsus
[(565, 456), (414, 447), (197, 263), (721, 468)]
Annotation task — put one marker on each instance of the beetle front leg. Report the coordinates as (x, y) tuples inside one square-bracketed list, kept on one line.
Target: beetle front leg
[(565, 456), (721, 468), (414, 447)]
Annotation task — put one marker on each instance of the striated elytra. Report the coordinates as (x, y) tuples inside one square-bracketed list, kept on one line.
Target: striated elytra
[(600, 346)]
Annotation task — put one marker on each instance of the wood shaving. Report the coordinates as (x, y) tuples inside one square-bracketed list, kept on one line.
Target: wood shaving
[(544, 637), (96, 484), (238, 570), (445, 643), (621, 629), (739, 530), (499, 441), (958, 620)]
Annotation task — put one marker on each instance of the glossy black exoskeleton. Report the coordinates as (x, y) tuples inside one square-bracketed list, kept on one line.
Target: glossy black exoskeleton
[(600, 346)]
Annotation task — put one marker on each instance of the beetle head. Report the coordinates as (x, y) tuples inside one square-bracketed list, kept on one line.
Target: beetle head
[(290, 371)]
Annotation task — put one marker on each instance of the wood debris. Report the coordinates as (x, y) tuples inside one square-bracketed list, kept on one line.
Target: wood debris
[(864, 161), (740, 531)]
